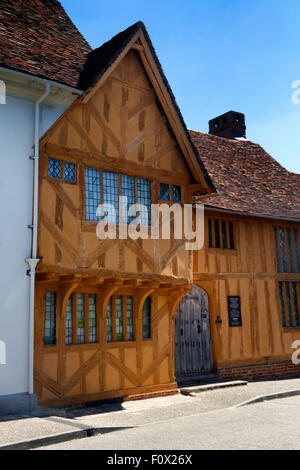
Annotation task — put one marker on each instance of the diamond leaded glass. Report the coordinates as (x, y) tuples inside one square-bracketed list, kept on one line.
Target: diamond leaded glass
[(164, 192), (128, 190), (144, 198), (54, 168), (50, 318), (69, 172), (176, 193), (111, 194)]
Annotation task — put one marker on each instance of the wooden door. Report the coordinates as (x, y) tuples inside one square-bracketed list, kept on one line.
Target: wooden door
[(193, 352)]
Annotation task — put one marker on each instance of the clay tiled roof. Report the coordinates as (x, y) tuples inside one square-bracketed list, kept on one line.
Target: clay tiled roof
[(37, 37), (247, 178)]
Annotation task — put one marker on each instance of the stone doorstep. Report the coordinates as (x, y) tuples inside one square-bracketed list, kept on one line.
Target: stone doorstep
[(194, 390)]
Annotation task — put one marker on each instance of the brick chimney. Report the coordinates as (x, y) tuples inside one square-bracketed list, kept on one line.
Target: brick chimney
[(230, 125)]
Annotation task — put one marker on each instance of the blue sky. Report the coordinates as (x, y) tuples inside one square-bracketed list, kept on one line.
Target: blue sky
[(218, 55)]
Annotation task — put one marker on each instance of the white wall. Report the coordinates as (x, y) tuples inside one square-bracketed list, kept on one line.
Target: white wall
[(16, 176)]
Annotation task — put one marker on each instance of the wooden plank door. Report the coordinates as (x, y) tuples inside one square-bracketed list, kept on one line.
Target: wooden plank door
[(193, 352)]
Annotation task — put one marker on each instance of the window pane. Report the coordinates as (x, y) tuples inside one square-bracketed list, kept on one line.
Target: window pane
[(176, 193), (283, 250), (109, 321), (164, 192), (54, 168), (224, 234), (92, 318), (92, 193), (50, 318), (69, 322), (80, 318), (291, 254), (217, 234), (277, 251), (128, 190), (147, 319), (144, 197), (288, 301), (297, 248), (129, 307), (119, 318), (69, 172), (296, 305), (111, 194)]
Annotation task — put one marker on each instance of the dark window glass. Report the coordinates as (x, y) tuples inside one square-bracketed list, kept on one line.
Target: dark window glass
[(283, 250), (119, 318), (224, 235), (128, 190), (147, 319), (297, 248), (50, 318), (296, 305), (144, 198), (69, 322), (92, 193), (111, 194), (164, 192), (109, 321), (282, 304), (92, 318), (288, 301), (69, 172), (129, 307), (80, 318), (217, 234), (231, 235), (176, 193), (291, 254), (54, 168)]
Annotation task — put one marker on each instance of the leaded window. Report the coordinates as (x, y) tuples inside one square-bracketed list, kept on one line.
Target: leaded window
[(80, 318), (111, 195), (147, 319), (92, 193), (120, 318), (50, 319), (287, 249), (69, 172), (221, 234), (127, 190), (289, 295), (176, 193), (164, 192), (144, 198), (54, 168), (69, 322)]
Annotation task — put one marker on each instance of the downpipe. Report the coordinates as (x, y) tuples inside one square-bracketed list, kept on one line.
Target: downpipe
[(33, 261)]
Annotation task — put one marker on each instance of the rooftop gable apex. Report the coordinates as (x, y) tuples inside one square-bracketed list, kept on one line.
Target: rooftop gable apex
[(102, 61)]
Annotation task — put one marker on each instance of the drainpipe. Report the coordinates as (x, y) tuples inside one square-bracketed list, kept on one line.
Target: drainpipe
[(33, 261)]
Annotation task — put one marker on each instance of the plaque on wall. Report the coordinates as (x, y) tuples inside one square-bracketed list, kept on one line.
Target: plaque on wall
[(234, 309)]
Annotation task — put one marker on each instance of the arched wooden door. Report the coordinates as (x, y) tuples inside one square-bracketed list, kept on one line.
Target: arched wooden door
[(193, 352)]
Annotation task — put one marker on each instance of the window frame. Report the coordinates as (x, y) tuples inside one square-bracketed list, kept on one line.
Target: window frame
[(287, 249), (221, 220), (86, 312), (287, 303), (119, 178), (125, 339), (170, 200), (62, 179)]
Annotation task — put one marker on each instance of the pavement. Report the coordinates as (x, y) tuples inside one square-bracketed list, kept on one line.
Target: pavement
[(51, 426)]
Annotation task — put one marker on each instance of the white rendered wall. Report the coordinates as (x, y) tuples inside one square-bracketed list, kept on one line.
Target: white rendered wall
[(16, 176)]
